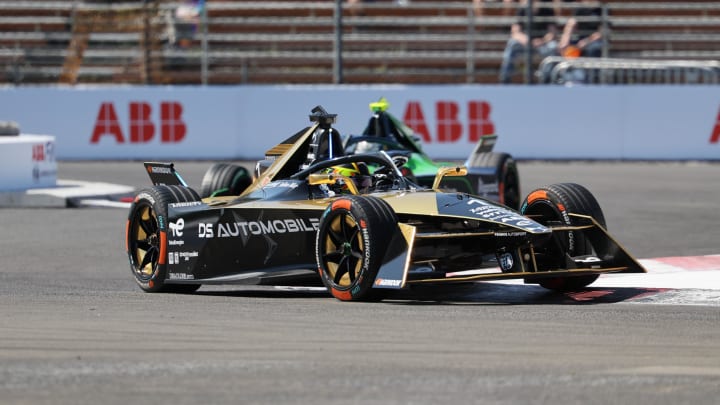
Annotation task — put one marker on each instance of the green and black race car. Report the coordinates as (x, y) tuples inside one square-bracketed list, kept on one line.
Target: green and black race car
[(492, 175), (361, 227)]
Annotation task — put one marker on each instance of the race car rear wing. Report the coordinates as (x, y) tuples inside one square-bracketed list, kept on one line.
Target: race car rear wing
[(484, 145), (164, 174)]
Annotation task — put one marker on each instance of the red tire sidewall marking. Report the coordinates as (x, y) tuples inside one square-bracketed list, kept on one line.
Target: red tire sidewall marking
[(342, 204)]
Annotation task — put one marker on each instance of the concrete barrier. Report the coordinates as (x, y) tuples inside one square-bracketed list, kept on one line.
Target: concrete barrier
[(27, 161)]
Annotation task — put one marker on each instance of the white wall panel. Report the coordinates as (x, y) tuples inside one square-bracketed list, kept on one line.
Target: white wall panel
[(241, 122)]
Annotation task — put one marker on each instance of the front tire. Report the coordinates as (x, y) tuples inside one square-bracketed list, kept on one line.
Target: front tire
[(351, 241), (146, 237), (551, 204)]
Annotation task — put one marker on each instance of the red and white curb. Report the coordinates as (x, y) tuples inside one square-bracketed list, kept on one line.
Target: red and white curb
[(680, 272), (679, 280), (688, 280)]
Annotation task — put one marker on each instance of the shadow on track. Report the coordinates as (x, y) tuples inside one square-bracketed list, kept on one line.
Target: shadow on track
[(462, 294), (502, 294)]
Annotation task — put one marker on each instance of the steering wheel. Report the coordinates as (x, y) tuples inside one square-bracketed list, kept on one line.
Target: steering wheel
[(385, 177), (400, 160)]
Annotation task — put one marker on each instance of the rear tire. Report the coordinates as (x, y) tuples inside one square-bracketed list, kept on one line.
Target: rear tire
[(552, 204), (224, 179), (146, 237), (351, 241), (506, 173)]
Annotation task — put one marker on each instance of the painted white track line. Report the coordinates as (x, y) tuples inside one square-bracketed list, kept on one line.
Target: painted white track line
[(93, 202), (63, 194)]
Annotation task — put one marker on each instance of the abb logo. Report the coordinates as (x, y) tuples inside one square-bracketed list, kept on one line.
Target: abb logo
[(43, 152), (715, 136), (38, 153), (449, 125), (142, 128)]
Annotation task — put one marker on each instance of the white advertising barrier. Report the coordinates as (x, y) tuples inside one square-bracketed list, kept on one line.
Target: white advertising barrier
[(129, 122), (242, 122), (27, 161)]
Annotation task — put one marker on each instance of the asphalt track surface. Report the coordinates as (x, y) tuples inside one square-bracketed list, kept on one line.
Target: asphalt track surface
[(74, 328)]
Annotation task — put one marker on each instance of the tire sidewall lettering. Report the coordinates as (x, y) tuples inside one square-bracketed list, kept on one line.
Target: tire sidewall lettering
[(145, 196), (366, 254), (566, 219), (356, 286)]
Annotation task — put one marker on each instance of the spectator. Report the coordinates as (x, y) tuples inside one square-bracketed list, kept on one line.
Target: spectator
[(559, 6), (507, 8), (479, 6), (583, 33), (355, 7), (187, 20), (543, 36)]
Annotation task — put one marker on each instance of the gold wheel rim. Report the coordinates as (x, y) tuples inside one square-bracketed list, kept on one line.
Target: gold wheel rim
[(344, 250), (144, 242)]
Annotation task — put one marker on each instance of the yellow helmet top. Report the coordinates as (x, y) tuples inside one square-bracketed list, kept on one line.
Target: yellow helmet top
[(349, 170), (380, 105)]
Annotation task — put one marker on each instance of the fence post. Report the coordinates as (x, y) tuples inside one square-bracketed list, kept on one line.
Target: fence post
[(337, 44), (204, 44), (470, 51), (146, 41), (528, 47), (605, 31)]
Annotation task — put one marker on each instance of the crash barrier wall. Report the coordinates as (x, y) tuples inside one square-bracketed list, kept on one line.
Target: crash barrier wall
[(27, 161), (233, 42), (242, 122)]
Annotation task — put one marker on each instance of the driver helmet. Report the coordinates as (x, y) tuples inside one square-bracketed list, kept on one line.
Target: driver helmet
[(357, 172)]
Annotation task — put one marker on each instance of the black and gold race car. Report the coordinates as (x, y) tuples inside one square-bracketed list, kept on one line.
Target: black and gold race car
[(490, 174), (361, 227)]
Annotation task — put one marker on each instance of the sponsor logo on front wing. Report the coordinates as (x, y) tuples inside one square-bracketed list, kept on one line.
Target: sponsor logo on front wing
[(490, 212), (180, 276), (388, 283), (506, 261), (515, 234)]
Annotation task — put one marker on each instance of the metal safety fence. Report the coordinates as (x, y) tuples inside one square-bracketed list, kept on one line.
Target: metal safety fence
[(558, 70), (323, 41)]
